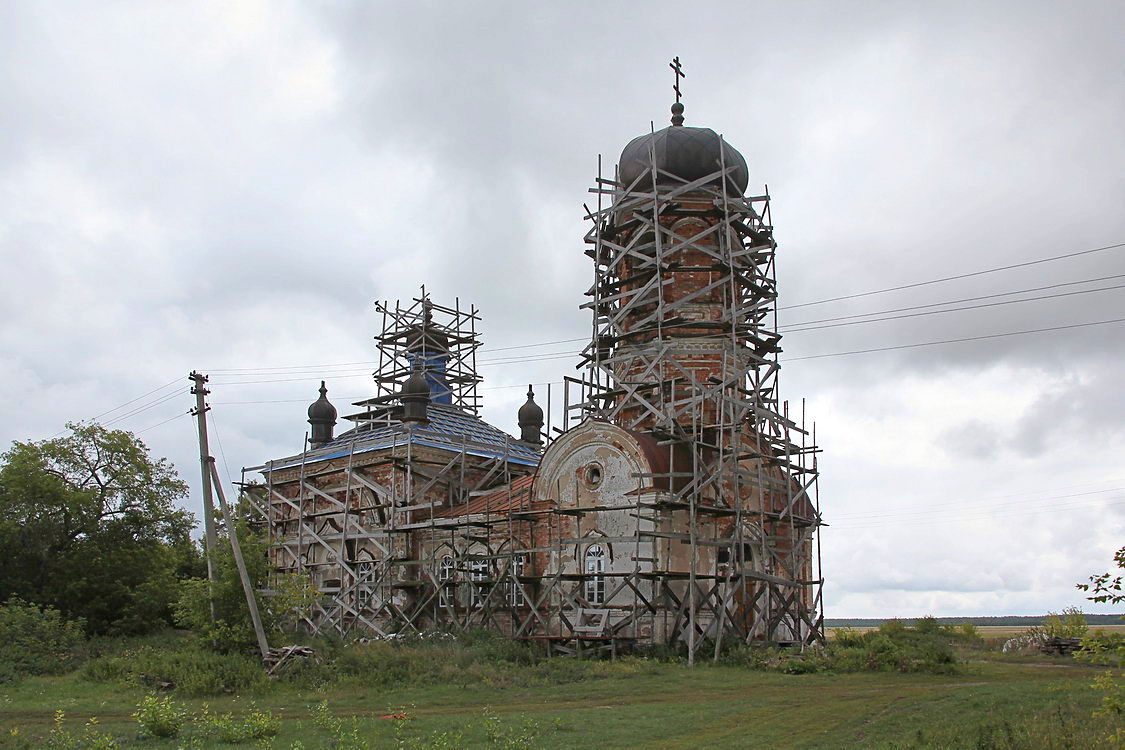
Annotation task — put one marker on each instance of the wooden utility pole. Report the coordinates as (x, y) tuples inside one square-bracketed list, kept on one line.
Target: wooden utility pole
[(200, 413), (247, 586)]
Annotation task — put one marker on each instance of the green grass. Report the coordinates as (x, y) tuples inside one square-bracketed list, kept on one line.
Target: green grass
[(662, 705)]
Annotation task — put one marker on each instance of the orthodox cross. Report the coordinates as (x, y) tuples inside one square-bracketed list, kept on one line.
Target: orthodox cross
[(675, 66)]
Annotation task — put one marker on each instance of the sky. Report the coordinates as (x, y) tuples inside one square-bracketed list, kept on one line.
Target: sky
[(228, 187)]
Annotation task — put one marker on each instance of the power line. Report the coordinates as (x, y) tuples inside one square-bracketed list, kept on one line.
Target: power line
[(121, 406), (166, 421), (956, 341), (938, 509), (955, 301), (984, 516), (367, 363), (143, 408), (959, 309), (364, 396), (957, 276)]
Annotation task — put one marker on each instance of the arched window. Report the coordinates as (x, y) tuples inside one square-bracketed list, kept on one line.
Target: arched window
[(365, 580), (515, 588), (445, 581), (595, 581), (478, 590)]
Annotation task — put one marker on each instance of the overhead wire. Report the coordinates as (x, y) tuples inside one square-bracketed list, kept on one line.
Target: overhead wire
[(956, 277), (957, 301), (790, 328)]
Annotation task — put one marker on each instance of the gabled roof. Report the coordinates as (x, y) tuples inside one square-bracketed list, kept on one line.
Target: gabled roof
[(510, 498), (449, 428)]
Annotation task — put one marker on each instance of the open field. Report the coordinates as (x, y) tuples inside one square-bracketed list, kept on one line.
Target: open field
[(990, 632), (638, 704)]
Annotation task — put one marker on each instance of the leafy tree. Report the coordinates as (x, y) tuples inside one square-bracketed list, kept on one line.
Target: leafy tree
[(89, 524), (1106, 588), (231, 629)]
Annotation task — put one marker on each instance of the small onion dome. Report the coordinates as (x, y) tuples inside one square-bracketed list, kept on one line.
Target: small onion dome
[(688, 153), (530, 419), (427, 337), (322, 417), (415, 395)]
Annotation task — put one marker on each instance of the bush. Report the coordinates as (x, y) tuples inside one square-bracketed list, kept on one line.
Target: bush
[(160, 717), (61, 738), (257, 725), (189, 671), (36, 641), (1071, 623), (895, 647)]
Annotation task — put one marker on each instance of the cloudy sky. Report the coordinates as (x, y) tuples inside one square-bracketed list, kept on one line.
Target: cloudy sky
[(228, 187)]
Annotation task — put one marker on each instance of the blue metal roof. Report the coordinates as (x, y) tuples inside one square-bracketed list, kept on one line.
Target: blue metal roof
[(449, 428)]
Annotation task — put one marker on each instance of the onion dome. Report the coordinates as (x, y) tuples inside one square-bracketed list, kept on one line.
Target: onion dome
[(530, 419), (415, 395), (322, 417), (687, 153)]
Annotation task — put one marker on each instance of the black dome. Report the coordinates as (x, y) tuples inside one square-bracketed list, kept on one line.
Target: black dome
[(416, 387), (322, 411), (687, 153), (530, 413)]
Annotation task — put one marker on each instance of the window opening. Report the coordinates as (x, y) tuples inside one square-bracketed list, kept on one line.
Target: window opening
[(445, 581), (478, 572), (595, 581), (515, 588), (365, 574)]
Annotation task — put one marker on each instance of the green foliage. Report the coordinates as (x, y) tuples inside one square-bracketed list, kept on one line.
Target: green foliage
[(478, 658), (232, 629), (893, 647), (190, 671), (36, 640), (1107, 588), (1071, 623), (253, 726), (89, 525), (61, 738), (160, 717)]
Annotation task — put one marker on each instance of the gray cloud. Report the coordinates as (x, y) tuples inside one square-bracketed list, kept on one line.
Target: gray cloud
[(218, 186)]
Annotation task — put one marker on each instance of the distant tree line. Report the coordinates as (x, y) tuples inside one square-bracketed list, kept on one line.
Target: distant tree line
[(1002, 620)]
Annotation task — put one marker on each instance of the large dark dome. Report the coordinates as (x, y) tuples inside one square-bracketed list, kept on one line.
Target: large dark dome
[(687, 153)]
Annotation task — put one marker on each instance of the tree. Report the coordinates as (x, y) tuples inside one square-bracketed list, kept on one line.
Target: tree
[(89, 524), (289, 596), (1106, 588)]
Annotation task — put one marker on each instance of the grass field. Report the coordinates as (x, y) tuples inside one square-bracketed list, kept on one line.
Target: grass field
[(990, 632), (1043, 703)]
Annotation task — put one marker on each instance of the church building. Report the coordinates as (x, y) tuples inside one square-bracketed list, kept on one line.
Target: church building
[(676, 505)]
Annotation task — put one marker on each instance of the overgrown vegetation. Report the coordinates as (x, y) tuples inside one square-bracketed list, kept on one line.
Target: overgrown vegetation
[(188, 669), (892, 647), (36, 640), (90, 525), (1107, 588), (231, 628)]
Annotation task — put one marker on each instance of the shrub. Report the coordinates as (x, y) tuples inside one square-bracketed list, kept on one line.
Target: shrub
[(1071, 623), (892, 647), (36, 641), (160, 717), (190, 671), (255, 726), (60, 738)]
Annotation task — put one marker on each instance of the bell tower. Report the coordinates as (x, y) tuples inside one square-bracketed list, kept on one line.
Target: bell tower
[(684, 350)]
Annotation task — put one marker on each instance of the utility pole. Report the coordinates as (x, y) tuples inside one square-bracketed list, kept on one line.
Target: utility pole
[(200, 413), (236, 549)]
